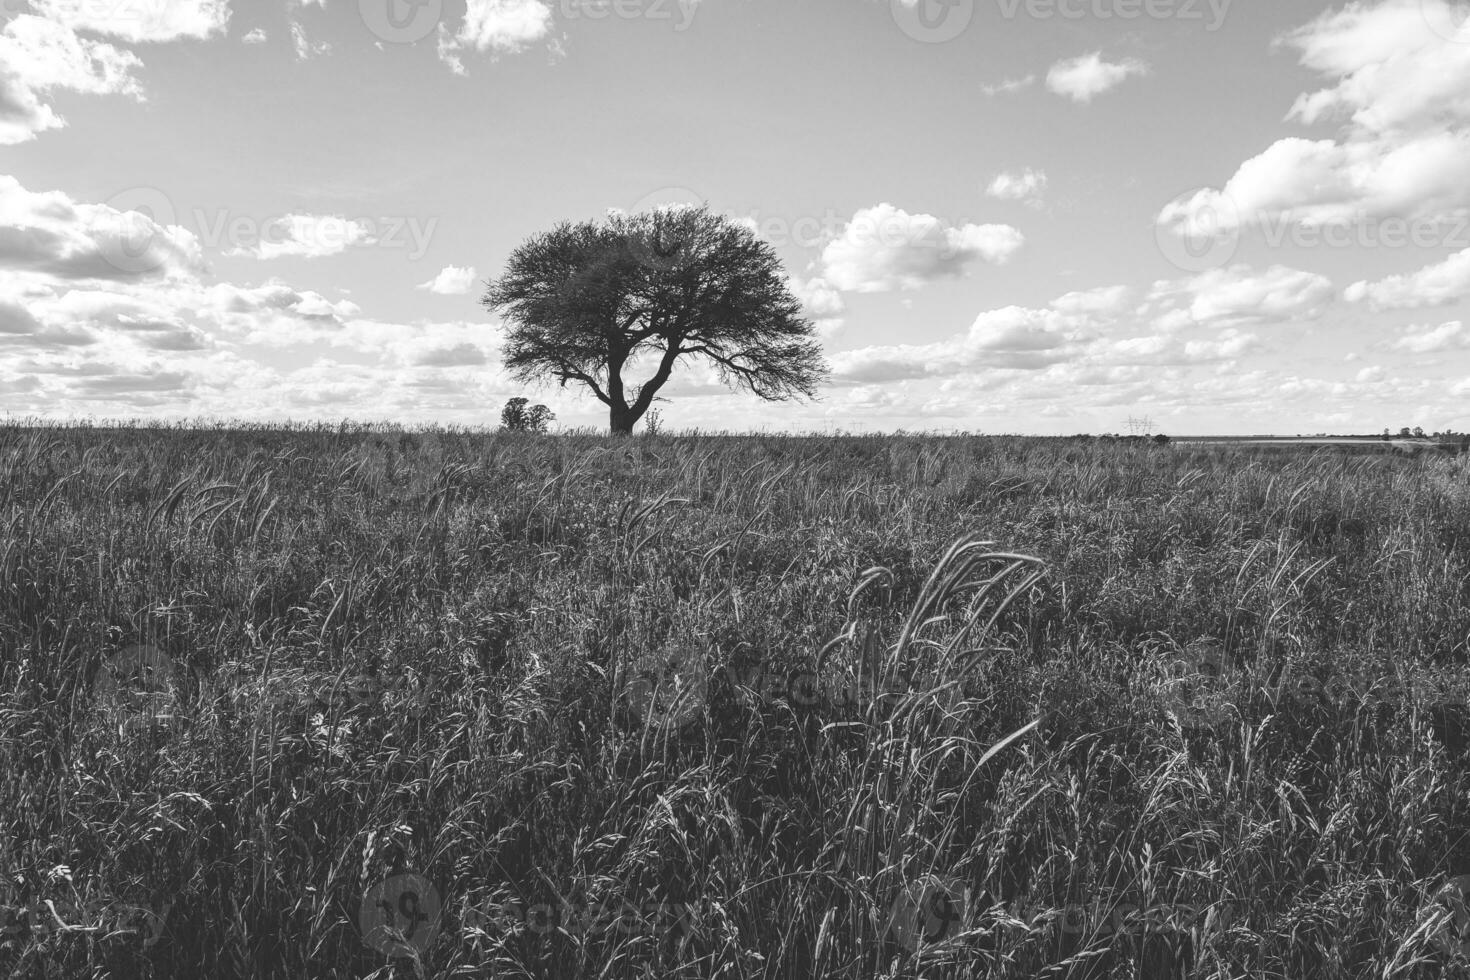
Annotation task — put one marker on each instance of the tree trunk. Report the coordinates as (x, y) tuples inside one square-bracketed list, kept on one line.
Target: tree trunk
[(621, 420)]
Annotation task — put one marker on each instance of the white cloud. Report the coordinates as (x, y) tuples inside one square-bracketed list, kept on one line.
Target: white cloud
[(1238, 294), (1084, 78), (451, 281), (1012, 338), (1026, 186), (47, 233), (462, 354), (822, 303), (1435, 285), (307, 236), (80, 335), (1427, 339), (256, 36), (498, 26), (150, 20), (305, 47), (1104, 301), (1009, 86), (39, 55), (884, 248), (1400, 88)]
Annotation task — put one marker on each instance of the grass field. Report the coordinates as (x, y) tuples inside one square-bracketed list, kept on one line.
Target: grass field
[(350, 703)]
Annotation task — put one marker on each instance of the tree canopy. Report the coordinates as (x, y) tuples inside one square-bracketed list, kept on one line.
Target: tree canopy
[(587, 301)]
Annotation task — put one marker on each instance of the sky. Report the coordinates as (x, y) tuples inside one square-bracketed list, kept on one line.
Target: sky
[(1021, 216)]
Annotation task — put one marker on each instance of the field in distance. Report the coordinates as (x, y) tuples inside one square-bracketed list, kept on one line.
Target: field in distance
[(335, 702)]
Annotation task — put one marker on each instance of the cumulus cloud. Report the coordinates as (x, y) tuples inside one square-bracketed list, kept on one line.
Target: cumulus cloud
[(39, 55), (451, 281), (1428, 339), (307, 236), (884, 248), (1239, 294), (46, 232), (81, 335), (1104, 300), (822, 303), (1026, 186), (154, 20), (305, 47), (1084, 78), (463, 354), (498, 26), (256, 36), (1400, 88), (1010, 338), (1092, 336), (1436, 285), (1009, 86)]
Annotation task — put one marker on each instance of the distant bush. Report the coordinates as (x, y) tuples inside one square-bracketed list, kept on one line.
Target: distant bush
[(516, 417)]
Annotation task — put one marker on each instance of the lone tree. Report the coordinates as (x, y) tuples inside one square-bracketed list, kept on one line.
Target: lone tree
[(592, 302), (518, 418)]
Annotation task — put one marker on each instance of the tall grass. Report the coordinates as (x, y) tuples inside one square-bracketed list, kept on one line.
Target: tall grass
[(455, 703)]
